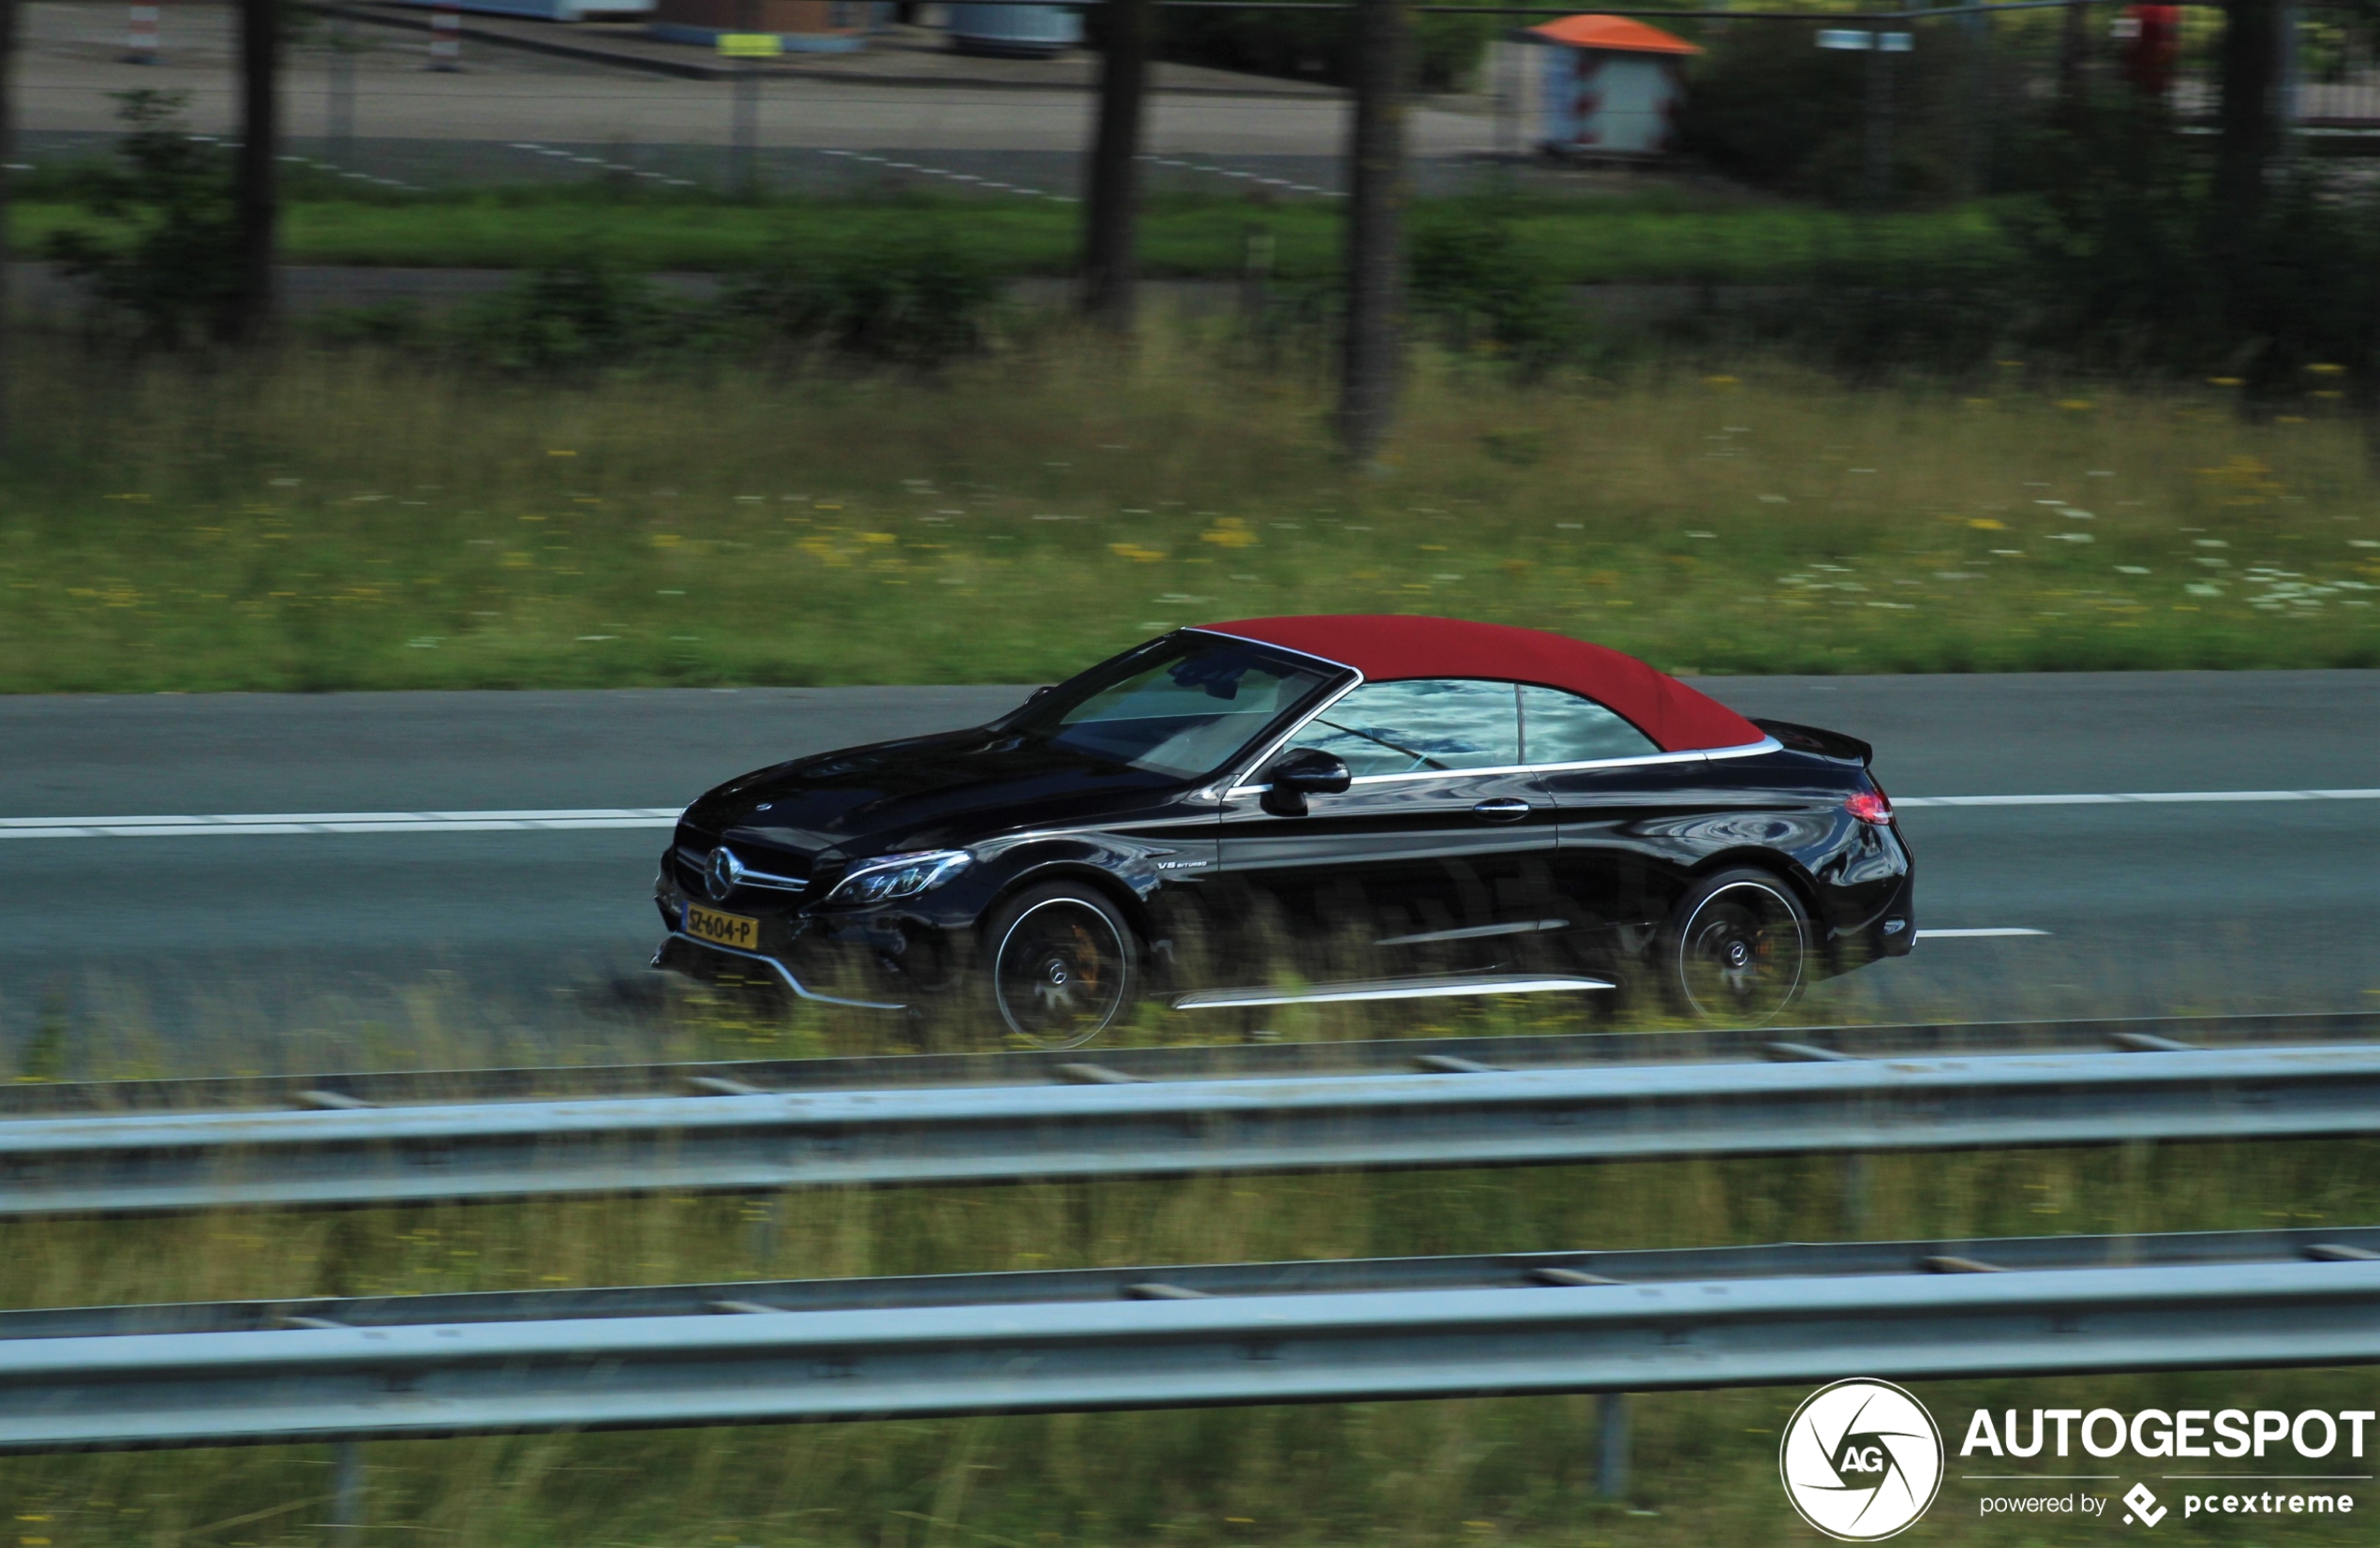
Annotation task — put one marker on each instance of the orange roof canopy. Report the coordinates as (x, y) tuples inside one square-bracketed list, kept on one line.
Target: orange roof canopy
[(1620, 34)]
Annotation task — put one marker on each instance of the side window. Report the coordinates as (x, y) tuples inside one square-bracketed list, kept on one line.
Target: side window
[(1562, 728), (1411, 727)]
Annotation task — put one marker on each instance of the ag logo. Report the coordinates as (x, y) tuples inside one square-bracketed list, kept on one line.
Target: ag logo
[(1860, 1460)]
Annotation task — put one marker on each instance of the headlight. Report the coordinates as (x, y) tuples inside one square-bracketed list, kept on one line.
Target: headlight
[(900, 876)]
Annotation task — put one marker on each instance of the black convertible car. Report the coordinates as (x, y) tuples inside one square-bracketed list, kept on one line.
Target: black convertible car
[(1297, 809)]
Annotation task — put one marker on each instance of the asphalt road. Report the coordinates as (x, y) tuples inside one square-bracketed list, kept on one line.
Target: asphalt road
[(381, 938)]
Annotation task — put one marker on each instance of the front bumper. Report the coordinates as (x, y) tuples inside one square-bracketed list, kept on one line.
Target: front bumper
[(883, 959), (698, 959)]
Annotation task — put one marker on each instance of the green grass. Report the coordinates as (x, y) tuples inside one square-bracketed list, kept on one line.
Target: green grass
[(338, 520), (1645, 240)]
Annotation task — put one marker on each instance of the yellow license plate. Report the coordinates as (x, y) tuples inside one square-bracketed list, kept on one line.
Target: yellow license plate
[(727, 929)]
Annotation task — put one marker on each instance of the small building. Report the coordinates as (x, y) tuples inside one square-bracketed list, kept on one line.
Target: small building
[(1607, 85), (802, 27)]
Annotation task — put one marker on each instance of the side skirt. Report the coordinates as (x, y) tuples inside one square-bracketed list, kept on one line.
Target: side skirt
[(1391, 988)]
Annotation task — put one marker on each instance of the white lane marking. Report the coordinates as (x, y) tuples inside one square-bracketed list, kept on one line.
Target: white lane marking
[(1985, 933), (2151, 797), (257, 824), (269, 823)]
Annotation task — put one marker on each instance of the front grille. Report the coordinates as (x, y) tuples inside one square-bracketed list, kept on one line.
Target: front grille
[(765, 872)]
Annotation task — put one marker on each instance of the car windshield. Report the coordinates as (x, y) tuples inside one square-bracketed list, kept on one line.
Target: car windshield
[(1181, 706)]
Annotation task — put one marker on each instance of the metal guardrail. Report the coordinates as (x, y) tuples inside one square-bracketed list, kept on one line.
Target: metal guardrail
[(1471, 1116), (1182, 1336), (1205, 1061)]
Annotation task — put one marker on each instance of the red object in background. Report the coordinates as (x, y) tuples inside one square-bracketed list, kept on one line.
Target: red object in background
[(2152, 46), (1398, 648)]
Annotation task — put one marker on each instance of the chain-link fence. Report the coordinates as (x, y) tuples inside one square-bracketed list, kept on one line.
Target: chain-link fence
[(2107, 106)]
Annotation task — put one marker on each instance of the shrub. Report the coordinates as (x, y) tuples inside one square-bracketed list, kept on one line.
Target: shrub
[(175, 270), (889, 300), (1470, 277), (573, 317)]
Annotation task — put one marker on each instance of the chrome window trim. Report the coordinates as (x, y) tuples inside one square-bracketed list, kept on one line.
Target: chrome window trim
[(1766, 744), (1247, 639), (1232, 785)]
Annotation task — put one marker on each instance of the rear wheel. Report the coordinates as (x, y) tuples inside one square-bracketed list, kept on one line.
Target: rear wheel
[(1064, 965), (1739, 948)]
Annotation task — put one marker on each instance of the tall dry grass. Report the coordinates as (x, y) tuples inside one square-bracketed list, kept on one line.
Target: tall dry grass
[(340, 519)]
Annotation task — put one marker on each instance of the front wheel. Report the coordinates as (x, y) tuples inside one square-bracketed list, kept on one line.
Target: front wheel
[(1065, 964), (1739, 948)]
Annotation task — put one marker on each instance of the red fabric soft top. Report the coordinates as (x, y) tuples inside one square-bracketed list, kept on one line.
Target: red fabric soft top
[(1388, 648)]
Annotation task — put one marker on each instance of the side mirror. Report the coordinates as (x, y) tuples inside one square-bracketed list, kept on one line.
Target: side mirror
[(1303, 771)]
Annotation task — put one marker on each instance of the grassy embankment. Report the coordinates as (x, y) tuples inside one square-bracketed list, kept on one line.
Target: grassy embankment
[(339, 522), (1472, 1473), (1644, 239)]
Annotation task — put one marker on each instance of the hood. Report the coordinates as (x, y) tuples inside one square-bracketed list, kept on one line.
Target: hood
[(937, 792)]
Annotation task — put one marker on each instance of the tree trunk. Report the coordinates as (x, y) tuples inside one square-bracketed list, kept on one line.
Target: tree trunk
[(8, 153), (2251, 61), (1110, 230), (259, 138), (1373, 347)]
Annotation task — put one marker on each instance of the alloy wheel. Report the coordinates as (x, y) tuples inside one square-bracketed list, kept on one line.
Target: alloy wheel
[(1742, 954), (1061, 974)]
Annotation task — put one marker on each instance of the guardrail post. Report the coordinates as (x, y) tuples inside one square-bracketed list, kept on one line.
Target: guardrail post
[(1611, 1445), (1855, 1166), (347, 1492), (760, 1235)]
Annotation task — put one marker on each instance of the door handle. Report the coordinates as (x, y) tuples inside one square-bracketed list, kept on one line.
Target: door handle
[(1504, 809)]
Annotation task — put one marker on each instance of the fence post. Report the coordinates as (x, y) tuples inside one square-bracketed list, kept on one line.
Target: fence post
[(446, 38), (2289, 78), (347, 1492), (339, 116), (1256, 273), (140, 35), (1611, 1445), (1974, 74), (1879, 180), (744, 156), (1370, 354)]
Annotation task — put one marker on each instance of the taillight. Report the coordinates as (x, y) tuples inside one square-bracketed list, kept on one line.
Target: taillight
[(1871, 806)]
